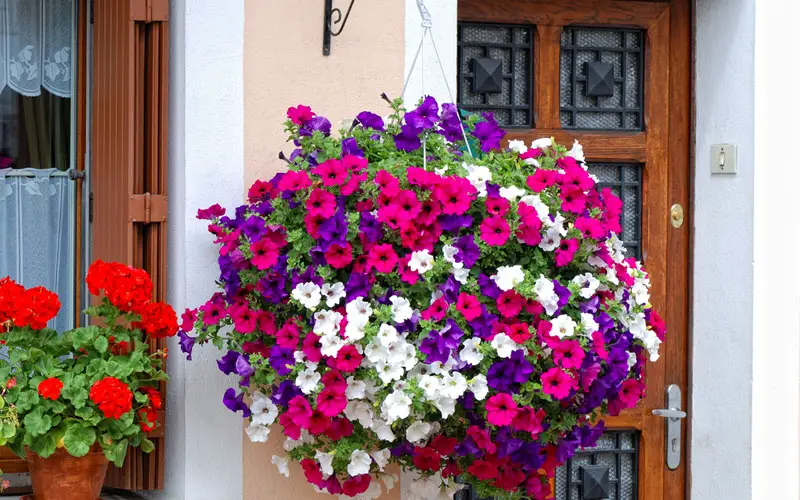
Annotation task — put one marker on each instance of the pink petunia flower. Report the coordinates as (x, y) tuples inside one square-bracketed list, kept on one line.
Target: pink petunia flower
[(294, 181), (568, 354), (541, 180), (557, 383), (566, 251), (496, 205), (501, 409), (339, 256), (529, 420), (265, 254), (348, 359), (631, 392), (510, 303), (469, 306), (318, 423), (312, 348), (455, 195), (383, 258), (331, 401), (482, 438), (322, 203), (388, 184), (495, 231), (573, 199), (300, 114), (299, 411), (332, 172), (288, 336), (436, 311), (244, 318)]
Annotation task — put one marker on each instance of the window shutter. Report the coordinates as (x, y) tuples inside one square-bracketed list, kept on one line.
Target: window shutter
[(129, 167)]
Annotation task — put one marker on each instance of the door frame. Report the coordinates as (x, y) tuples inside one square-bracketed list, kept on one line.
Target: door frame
[(679, 129)]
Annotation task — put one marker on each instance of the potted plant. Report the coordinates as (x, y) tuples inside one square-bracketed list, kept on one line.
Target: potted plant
[(82, 396), (408, 292)]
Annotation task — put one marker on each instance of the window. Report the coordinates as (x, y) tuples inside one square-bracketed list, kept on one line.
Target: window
[(37, 147)]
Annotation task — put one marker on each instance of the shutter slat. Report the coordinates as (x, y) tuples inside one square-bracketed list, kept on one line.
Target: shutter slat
[(129, 168)]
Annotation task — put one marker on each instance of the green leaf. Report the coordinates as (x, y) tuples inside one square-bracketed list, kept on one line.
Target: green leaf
[(101, 344), (26, 400), (79, 439), (76, 395), (36, 423), (44, 446), (147, 445), (116, 452)]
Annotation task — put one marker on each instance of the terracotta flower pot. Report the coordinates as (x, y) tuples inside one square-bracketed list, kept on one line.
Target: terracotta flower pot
[(64, 477)]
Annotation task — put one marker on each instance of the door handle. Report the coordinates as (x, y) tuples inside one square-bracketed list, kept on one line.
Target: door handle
[(674, 415)]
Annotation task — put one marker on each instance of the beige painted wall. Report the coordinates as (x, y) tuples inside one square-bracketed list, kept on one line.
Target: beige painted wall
[(284, 66)]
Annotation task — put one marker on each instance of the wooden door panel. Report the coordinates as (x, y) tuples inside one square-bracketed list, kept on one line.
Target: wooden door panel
[(661, 148)]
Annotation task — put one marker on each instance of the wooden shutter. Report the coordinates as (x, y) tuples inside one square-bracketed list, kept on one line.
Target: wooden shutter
[(129, 166)]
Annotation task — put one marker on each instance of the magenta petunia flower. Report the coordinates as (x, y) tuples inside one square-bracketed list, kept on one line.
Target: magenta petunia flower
[(300, 114), (299, 410), (469, 306), (294, 181), (568, 354), (322, 203), (501, 409), (566, 251), (339, 256), (331, 401), (383, 258), (332, 172), (510, 303), (348, 359), (557, 383), (213, 212), (495, 231), (265, 254)]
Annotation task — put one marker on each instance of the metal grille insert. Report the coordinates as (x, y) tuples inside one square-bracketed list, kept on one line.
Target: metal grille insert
[(512, 47), (618, 451), (623, 50), (625, 181)]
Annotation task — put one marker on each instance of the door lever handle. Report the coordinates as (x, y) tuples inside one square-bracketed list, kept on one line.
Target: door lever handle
[(671, 413)]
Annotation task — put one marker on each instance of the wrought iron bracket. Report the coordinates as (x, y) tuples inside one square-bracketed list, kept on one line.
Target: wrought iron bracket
[(334, 24)]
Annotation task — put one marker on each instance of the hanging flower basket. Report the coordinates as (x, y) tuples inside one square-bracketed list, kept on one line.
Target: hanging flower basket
[(408, 293)]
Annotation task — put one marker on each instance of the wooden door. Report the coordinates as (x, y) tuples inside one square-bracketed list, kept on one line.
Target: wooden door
[(615, 75)]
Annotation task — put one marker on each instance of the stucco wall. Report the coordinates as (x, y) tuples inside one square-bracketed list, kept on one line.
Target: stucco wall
[(722, 328), (284, 66)]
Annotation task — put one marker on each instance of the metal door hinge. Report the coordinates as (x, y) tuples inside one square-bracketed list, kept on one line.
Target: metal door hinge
[(147, 208), (148, 11), (674, 415)]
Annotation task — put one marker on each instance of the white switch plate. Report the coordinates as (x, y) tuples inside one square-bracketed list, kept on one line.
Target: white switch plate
[(723, 159)]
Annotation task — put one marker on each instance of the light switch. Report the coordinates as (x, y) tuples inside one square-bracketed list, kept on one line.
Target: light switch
[(723, 159)]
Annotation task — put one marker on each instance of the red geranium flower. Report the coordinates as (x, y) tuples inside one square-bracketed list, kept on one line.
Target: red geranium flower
[(50, 388), (112, 396)]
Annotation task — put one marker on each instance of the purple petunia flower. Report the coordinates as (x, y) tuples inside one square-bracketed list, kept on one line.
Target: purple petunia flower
[(350, 147), (243, 367), (469, 252), (425, 115), (435, 348), (357, 286), (452, 223), (254, 228), (280, 359), (450, 289), (482, 325), (408, 139), (284, 393), (318, 123), (186, 343), (368, 119), (235, 402), (227, 364), (488, 287), (370, 227)]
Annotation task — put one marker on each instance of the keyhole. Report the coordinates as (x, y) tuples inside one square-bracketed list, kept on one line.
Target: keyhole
[(674, 445)]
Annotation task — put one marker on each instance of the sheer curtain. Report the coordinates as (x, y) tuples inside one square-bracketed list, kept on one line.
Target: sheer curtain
[(37, 198)]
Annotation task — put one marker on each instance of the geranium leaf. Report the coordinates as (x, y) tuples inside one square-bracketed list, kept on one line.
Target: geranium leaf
[(79, 439)]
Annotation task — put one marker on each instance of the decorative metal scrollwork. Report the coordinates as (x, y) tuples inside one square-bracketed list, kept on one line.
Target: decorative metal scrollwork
[(333, 17)]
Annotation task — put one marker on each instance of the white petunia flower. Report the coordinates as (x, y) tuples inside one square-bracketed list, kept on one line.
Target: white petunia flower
[(410, 360), (542, 210), (326, 322), (508, 277), (421, 261), (360, 411), (308, 380), (631, 360), (325, 462), (504, 346), (381, 457), (333, 293), (511, 193), (640, 293), (401, 309), (454, 385), (418, 432), (517, 145), (257, 433), (430, 386), (470, 354), (358, 307), (450, 252), (589, 324), (356, 389), (577, 152), (544, 142), (331, 345), (376, 353), (263, 410), (479, 387), (356, 327), (359, 463), (546, 294), (308, 294), (478, 176), (563, 327), (396, 406), (445, 405), (460, 274), (551, 239), (281, 464), (588, 284), (389, 372), (382, 430)]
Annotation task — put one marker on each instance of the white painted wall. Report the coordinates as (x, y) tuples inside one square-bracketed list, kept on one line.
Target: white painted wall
[(776, 330), (445, 21), (722, 330), (204, 439)]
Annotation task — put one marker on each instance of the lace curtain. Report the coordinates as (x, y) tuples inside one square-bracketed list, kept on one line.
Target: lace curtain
[(35, 224), (36, 46)]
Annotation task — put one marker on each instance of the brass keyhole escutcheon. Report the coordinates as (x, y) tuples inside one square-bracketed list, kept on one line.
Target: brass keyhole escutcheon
[(676, 215)]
